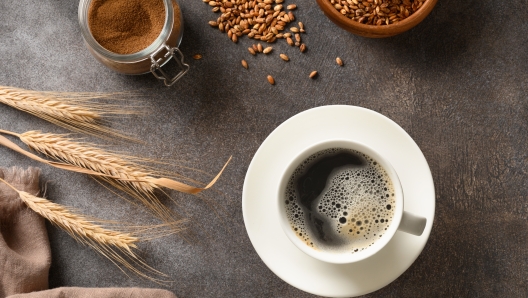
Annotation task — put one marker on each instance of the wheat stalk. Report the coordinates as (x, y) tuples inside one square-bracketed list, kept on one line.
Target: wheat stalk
[(115, 245), (78, 112), (136, 181), (77, 225), (121, 173)]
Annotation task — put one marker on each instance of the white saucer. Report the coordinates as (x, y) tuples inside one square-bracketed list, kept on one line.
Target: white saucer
[(271, 159)]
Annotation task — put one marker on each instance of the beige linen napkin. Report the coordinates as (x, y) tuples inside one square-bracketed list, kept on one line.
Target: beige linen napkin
[(98, 293), (25, 254)]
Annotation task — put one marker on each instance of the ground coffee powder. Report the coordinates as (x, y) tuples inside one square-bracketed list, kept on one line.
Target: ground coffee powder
[(126, 26)]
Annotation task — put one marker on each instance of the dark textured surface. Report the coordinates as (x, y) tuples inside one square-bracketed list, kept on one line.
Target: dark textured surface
[(457, 83)]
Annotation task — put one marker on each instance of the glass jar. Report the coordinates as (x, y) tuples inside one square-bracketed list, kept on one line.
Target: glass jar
[(152, 58)]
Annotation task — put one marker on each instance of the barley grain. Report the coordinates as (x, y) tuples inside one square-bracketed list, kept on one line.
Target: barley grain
[(258, 19), (297, 37), (284, 57), (377, 12)]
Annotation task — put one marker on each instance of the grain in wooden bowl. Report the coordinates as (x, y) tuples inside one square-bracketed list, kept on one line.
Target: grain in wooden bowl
[(374, 18)]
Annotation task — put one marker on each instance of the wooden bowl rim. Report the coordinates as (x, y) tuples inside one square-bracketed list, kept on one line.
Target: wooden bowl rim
[(403, 25)]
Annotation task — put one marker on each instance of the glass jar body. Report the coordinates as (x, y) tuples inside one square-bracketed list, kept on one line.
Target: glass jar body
[(150, 59)]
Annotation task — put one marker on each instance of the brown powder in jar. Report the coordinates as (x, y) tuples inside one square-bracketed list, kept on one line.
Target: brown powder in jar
[(126, 26)]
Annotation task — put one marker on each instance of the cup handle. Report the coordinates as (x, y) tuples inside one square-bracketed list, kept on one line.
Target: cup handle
[(412, 224)]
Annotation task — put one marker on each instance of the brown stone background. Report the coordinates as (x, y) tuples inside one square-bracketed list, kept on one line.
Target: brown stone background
[(457, 83)]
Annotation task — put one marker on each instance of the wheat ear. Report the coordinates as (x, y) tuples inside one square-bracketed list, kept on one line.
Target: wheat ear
[(110, 167), (88, 156), (80, 112), (114, 245)]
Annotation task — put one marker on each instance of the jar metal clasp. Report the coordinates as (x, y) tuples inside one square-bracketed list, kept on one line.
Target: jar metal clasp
[(157, 63)]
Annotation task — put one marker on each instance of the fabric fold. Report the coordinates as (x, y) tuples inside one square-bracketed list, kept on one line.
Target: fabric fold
[(25, 255)]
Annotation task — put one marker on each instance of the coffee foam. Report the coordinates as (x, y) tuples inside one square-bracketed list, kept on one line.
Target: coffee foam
[(358, 203)]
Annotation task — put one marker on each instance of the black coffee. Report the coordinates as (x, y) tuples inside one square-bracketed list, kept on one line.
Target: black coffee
[(339, 200)]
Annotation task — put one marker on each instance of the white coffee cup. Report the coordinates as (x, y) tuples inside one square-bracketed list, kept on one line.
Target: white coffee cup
[(402, 221)]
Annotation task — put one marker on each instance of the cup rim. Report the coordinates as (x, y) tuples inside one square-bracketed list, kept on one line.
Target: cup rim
[(340, 258)]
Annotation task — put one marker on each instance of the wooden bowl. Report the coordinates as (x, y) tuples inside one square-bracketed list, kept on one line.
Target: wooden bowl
[(376, 31)]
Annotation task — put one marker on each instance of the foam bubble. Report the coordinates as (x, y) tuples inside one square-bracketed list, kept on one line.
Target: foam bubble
[(353, 210)]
